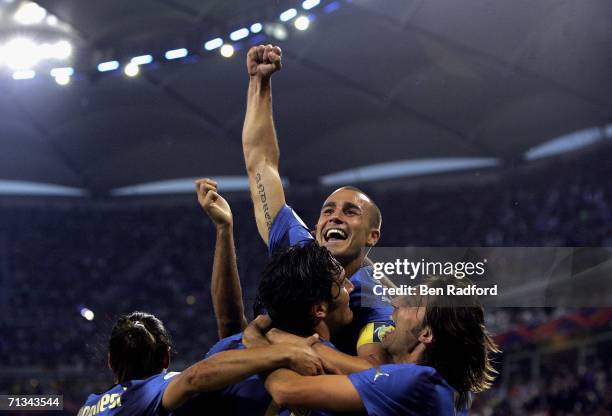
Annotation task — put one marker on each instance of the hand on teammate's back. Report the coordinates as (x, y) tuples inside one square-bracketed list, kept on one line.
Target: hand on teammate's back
[(264, 60), (213, 204)]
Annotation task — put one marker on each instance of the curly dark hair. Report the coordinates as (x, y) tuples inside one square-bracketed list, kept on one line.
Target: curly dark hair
[(138, 346), (295, 279)]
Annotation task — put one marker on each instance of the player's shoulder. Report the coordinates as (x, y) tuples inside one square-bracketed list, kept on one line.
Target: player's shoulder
[(364, 271), (95, 397), (406, 376), (99, 402), (233, 342), (152, 382), (287, 215), (363, 276), (408, 369)]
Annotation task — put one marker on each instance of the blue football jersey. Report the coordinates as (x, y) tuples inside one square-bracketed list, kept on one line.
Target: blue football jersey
[(403, 390), (249, 397), (244, 398), (287, 230), (134, 397)]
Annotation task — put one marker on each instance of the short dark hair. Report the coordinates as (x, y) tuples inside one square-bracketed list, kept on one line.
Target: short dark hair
[(461, 346), (375, 215), (295, 279), (138, 346)]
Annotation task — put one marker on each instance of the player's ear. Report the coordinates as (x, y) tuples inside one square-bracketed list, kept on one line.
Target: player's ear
[(319, 310), (108, 361), (426, 336), (373, 237)]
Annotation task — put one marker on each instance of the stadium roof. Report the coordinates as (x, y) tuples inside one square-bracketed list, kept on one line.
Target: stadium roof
[(369, 82)]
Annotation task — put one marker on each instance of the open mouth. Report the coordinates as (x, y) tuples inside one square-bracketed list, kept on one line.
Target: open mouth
[(334, 234)]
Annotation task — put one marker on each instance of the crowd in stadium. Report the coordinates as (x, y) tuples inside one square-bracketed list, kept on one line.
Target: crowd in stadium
[(562, 390), (113, 258)]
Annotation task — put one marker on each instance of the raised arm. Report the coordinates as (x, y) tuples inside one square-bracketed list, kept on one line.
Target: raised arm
[(225, 283), (259, 143), (230, 367)]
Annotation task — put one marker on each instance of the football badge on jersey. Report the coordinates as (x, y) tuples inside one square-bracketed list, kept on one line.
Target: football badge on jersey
[(380, 330)]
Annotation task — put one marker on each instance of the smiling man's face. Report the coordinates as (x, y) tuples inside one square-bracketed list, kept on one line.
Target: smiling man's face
[(345, 225)]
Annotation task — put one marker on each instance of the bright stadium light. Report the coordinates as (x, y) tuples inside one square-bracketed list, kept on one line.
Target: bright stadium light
[(62, 79), (227, 50), (288, 15), (176, 54), (108, 66), (141, 60), (302, 23), (62, 49), (20, 53), (57, 72), (256, 27), (331, 7), (309, 4), (24, 74), (52, 20), (29, 13), (278, 30), (87, 313), (213, 44), (239, 34), (62, 75), (131, 69), (59, 50)]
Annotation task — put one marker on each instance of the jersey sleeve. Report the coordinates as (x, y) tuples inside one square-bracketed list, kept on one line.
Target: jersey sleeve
[(287, 230), (145, 397), (405, 389), (369, 308), (233, 342)]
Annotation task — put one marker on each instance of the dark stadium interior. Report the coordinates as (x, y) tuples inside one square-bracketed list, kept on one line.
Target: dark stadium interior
[(370, 82)]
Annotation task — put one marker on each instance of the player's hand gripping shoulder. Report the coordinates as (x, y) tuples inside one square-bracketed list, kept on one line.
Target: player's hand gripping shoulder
[(263, 61), (327, 355), (213, 204), (302, 357)]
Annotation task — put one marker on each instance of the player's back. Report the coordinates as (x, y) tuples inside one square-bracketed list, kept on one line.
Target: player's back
[(248, 397), (133, 397), (405, 389)]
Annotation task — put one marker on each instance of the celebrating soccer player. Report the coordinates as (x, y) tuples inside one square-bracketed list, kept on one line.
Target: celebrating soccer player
[(349, 222), (139, 355), (441, 353)]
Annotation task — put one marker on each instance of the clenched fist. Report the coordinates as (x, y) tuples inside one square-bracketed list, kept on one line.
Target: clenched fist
[(263, 61), (213, 204)]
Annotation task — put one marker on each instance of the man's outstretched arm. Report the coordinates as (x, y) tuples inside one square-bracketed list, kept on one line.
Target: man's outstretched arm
[(332, 359), (230, 367), (334, 393), (259, 142), (225, 282)]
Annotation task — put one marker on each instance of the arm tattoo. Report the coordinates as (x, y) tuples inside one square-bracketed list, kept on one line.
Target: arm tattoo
[(261, 190)]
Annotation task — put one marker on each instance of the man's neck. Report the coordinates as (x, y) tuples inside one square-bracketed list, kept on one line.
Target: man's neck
[(413, 357), (323, 330), (351, 267)]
